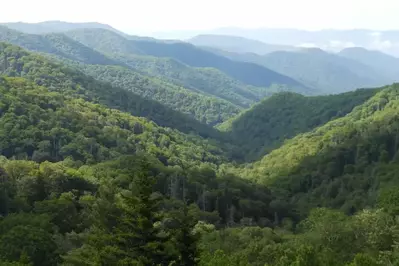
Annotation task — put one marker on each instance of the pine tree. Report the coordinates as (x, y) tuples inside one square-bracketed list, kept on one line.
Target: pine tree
[(186, 239), (139, 240)]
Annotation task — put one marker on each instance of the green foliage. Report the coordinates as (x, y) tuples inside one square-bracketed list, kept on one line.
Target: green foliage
[(84, 182), (44, 125), (111, 43), (29, 236), (340, 164), (388, 199), (326, 237), (207, 79), (17, 62), (269, 123), (204, 108)]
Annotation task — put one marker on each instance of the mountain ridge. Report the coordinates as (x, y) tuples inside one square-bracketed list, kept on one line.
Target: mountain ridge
[(190, 55), (237, 44)]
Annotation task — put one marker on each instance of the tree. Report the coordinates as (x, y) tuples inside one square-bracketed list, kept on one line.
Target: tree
[(136, 234), (388, 199), (185, 237), (136, 237)]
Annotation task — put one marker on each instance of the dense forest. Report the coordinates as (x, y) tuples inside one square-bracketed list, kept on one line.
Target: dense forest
[(282, 116), (116, 150), (220, 84)]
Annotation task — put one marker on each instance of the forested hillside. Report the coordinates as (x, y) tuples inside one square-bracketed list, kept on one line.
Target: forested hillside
[(57, 44), (106, 158), (341, 164), (42, 125), (67, 178), (45, 125), (17, 62), (205, 108), (250, 74), (209, 81), (282, 116), (167, 77)]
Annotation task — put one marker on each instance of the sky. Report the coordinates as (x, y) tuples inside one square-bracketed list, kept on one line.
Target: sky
[(144, 16)]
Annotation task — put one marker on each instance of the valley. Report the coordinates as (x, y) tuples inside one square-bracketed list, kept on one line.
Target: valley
[(219, 150)]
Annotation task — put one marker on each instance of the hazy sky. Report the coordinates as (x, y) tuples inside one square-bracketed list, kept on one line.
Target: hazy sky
[(166, 15)]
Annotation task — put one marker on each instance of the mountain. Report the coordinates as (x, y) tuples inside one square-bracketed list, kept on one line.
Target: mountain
[(67, 48), (327, 39), (266, 125), (247, 73), (382, 62), (93, 174), (71, 165), (316, 68), (46, 27), (205, 108), (85, 131), (209, 81), (102, 47), (57, 44), (17, 62), (237, 44), (341, 164)]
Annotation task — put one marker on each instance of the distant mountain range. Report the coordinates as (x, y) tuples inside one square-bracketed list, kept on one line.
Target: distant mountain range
[(329, 72), (238, 44), (383, 62), (332, 40), (208, 87), (56, 26), (233, 68)]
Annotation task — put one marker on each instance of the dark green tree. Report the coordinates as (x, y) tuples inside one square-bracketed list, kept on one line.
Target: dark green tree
[(137, 234)]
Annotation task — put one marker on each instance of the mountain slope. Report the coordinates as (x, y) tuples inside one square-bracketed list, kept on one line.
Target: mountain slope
[(341, 164), (57, 44), (56, 26), (250, 74), (237, 44), (62, 46), (328, 72), (247, 73), (382, 62), (16, 62), (204, 108), (42, 124), (267, 124), (72, 165), (209, 81), (328, 39)]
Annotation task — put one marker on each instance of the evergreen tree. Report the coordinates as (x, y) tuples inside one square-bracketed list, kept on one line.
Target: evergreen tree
[(186, 238), (136, 235)]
